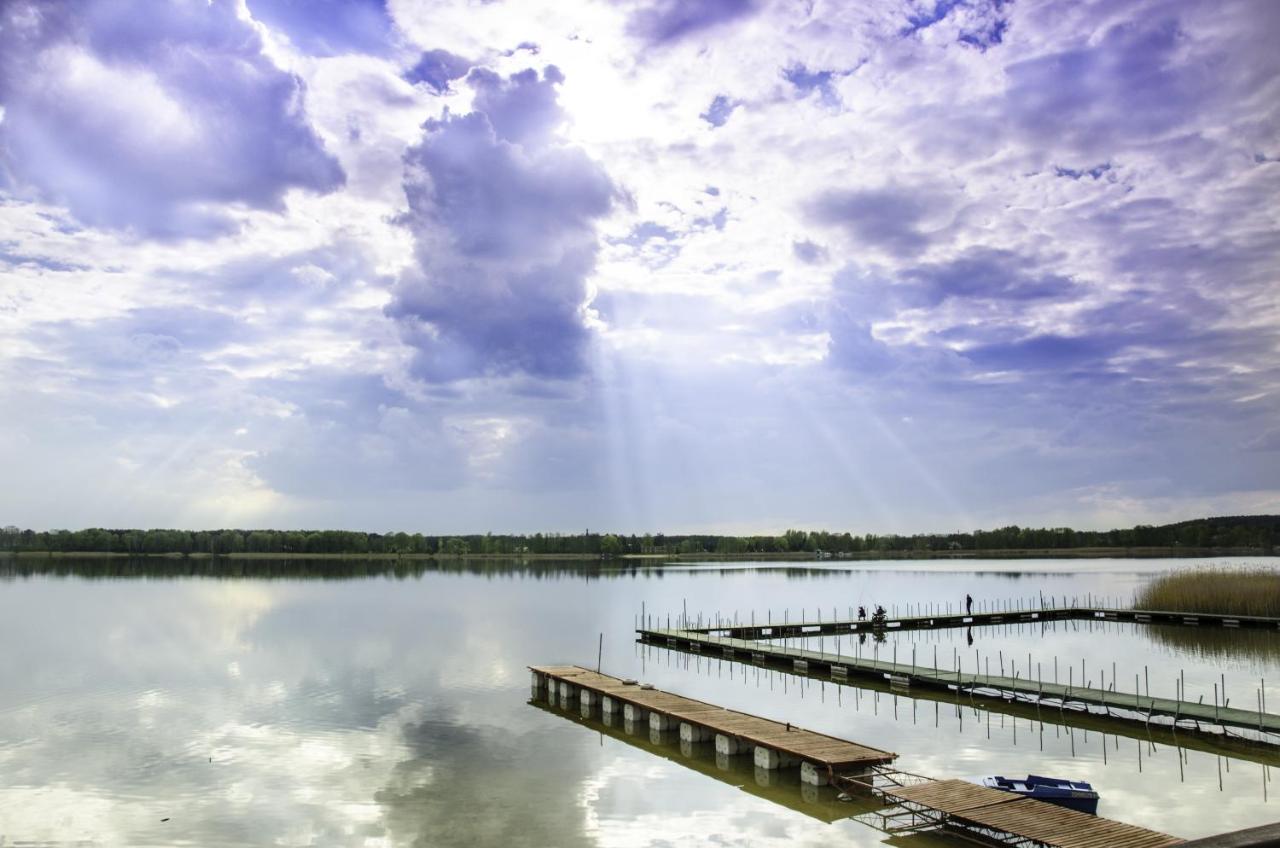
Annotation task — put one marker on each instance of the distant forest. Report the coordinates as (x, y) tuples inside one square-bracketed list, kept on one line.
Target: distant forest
[(1259, 533)]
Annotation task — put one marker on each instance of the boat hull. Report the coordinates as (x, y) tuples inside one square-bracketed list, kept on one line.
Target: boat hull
[(1072, 794)]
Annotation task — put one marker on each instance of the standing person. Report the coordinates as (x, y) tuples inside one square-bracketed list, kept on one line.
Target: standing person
[(968, 604)]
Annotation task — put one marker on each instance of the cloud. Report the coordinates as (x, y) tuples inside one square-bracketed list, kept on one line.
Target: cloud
[(355, 434), (438, 68), (810, 253), (522, 108), (806, 82), (503, 213), (329, 27), (209, 121), (719, 111), (889, 218), (986, 274), (667, 21), (1129, 87), (1027, 242), (1096, 172), (975, 23)]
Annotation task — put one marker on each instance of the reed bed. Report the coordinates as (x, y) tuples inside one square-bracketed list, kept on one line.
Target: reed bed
[(1225, 591)]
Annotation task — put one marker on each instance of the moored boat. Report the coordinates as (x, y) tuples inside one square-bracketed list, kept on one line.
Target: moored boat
[(1072, 794)]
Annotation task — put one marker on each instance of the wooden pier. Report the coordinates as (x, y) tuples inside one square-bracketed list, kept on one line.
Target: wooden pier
[(842, 667), (773, 744), (880, 799), (756, 630), (1001, 817)]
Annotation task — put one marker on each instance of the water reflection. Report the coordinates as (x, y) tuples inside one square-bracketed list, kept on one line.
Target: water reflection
[(463, 785), (1217, 643), (385, 704), (781, 786), (301, 568)]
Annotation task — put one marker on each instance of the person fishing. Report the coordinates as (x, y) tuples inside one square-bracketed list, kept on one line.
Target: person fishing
[(862, 613), (968, 604)]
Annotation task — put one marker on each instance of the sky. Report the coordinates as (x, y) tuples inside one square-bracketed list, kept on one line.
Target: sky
[(639, 265)]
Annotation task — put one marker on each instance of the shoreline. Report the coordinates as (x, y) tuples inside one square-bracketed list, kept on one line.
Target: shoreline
[(685, 558)]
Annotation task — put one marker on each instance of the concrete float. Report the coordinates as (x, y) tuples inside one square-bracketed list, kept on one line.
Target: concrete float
[(771, 758), (814, 775), (694, 733), (727, 745)]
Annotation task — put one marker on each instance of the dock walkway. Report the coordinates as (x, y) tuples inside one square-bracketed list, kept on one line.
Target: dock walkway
[(1006, 818), (919, 805), (940, 621), (777, 744), (1053, 695)]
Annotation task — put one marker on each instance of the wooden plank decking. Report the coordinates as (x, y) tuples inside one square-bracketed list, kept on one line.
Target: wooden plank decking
[(1050, 694), (941, 621), (829, 752), (995, 815), (979, 807)]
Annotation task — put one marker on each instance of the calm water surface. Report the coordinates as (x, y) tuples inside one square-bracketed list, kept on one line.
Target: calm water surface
[(395, 711)]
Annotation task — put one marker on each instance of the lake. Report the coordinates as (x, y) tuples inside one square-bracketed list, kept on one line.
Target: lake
[(154, 708)]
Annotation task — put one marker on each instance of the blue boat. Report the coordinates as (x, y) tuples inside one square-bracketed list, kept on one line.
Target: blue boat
[(1072, 794)]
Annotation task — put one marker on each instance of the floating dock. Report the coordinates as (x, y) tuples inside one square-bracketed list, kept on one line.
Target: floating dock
[(1001, 817), (756, 631), (842, 667), (896, 806), (772, 744)]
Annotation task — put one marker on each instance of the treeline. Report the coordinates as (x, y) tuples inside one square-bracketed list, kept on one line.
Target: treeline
[(1259, 532)]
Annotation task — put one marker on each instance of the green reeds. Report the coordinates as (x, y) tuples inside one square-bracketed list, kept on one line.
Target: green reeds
[(1224, 591)]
